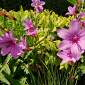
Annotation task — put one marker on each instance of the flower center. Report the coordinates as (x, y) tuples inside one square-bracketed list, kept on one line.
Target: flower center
[(9, 43), (69, 55), (31, 27), (7, 46), (36, 6), (75, 39)]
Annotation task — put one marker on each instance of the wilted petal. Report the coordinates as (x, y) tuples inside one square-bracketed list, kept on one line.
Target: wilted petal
[(65, 44), (63, 33)]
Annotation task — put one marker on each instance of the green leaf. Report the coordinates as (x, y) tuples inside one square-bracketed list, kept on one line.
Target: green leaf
[(3, 79), (50, 23), (23, 81), (72, 1), (82, 69), (5, 62), (7, 69)]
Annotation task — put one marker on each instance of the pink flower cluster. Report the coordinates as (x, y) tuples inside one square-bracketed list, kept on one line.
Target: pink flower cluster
[(31, 31), (73, 45), (8, 44)]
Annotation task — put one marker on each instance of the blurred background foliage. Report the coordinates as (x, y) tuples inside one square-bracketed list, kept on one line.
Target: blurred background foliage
[(59, 6)]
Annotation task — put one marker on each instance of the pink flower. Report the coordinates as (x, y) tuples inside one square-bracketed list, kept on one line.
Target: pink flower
[(28, 25), (83, 1), (38, 5), (52, 38), (81, 14), (32, 32), (8, 44), (67, 56), (74, 38), (72, 11), (23, 45)]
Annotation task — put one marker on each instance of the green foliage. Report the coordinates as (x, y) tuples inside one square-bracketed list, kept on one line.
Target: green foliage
[(41, 66), (72, 1)]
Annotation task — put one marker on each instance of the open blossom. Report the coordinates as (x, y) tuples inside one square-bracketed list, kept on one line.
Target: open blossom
[(23, 46), (67, 56), (74, 38), (72, 11), (8, 44), (38, 5), (32, 32), (28, 25)]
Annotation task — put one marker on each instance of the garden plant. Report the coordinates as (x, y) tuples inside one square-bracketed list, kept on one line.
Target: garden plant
[(38, 47)]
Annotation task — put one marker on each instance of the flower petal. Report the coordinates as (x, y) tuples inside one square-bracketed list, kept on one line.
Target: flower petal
[(15, 49), (40, 8), (11, 34), (5, 50), (81, 32), (14, 53), (70, 9), (6, 34), (75, 52), (65, 44), (65, 60), (61, 55), (63, 33), (33, 4), (41, 3), (68, 13), (74, 26), (82, 44)]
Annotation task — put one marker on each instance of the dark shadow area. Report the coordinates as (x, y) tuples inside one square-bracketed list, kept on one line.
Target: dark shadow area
[(81, 81), (58, 6)]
